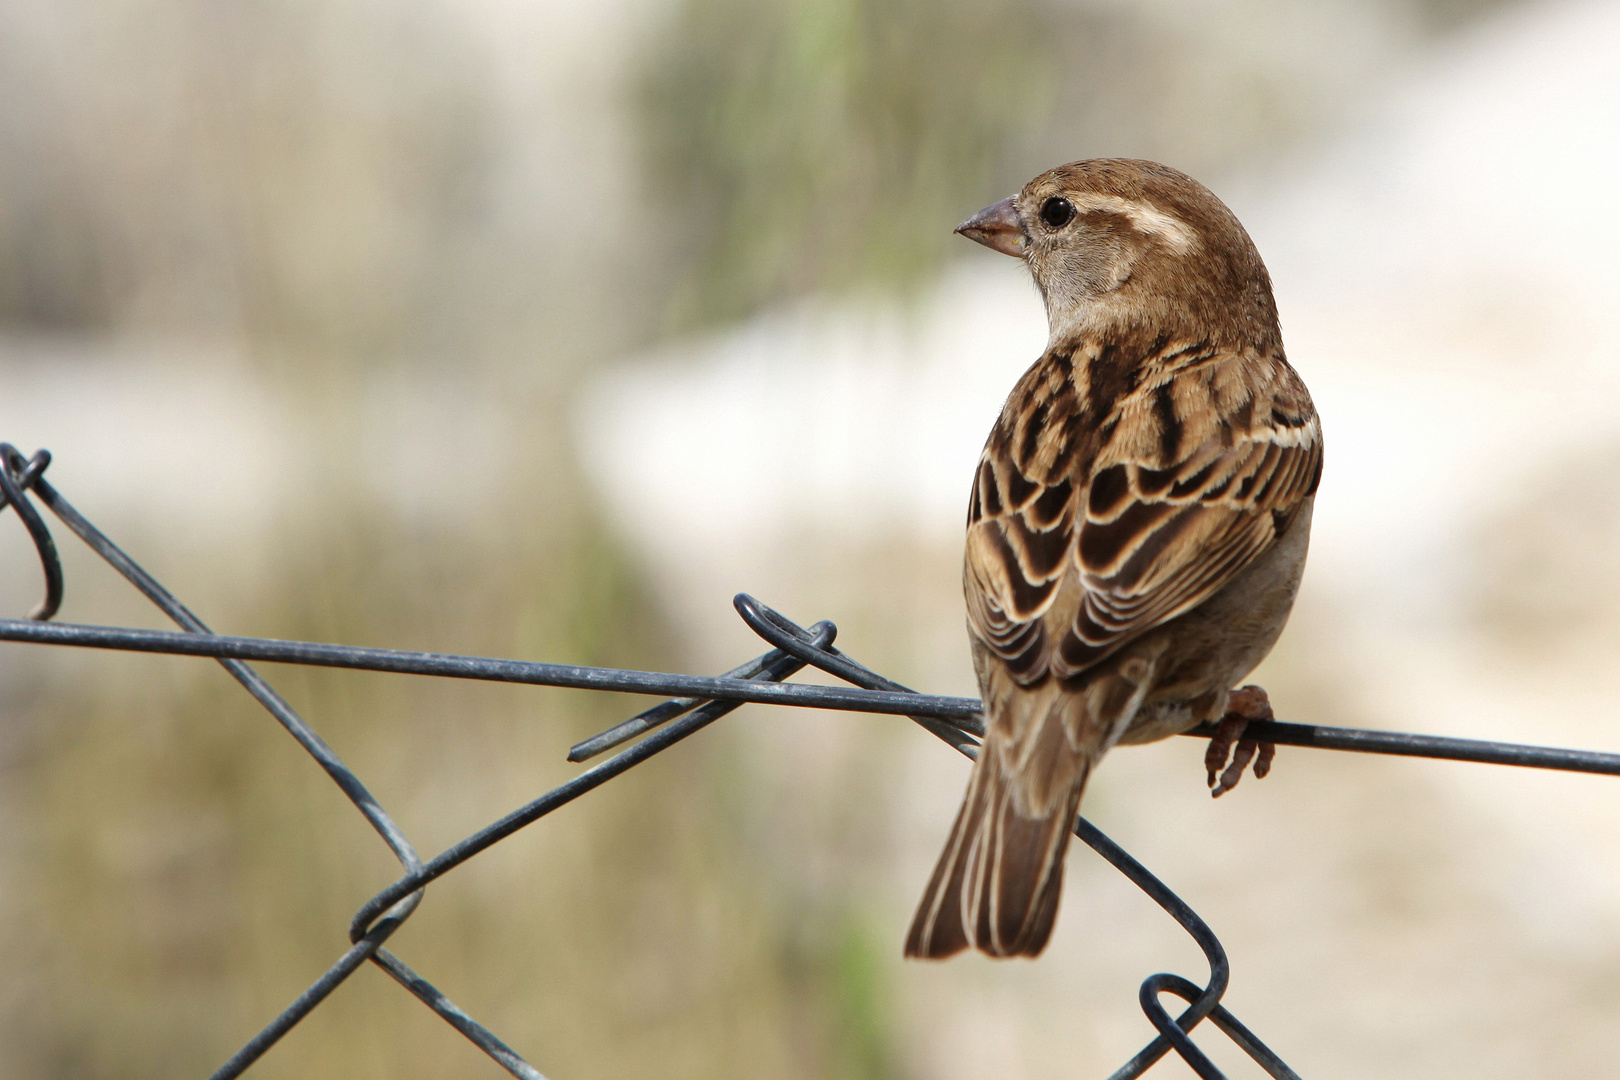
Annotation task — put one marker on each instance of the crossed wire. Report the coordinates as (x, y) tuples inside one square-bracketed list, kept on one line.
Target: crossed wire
[(697, 702)]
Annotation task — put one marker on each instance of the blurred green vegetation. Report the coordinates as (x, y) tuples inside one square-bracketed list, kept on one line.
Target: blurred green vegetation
[(819, 143)]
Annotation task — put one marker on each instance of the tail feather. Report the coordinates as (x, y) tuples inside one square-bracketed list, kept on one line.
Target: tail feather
[(938, 929), (997, 884)]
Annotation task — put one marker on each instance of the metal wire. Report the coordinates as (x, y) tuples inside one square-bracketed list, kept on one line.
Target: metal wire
[(697, 702)]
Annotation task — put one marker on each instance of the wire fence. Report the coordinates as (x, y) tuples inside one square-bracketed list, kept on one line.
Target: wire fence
[(695, 702)]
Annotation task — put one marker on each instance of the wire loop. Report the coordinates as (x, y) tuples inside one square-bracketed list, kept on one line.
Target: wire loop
[(17, 475)]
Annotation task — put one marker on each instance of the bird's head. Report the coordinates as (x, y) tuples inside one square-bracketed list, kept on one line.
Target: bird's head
[(1117, 244)]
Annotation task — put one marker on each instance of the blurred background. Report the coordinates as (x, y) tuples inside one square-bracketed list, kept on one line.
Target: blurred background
[(540, 329)]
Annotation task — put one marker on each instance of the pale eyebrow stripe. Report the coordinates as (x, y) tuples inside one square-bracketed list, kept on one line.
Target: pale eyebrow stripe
[(1150, 219)]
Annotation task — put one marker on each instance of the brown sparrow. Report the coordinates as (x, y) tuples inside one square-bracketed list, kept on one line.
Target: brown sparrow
[(1137, 528)]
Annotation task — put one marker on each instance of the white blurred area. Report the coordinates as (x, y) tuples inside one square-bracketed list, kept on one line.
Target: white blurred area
[(1448, 277)]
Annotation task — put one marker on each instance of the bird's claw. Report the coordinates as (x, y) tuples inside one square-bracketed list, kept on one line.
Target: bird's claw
[(1245, 704)]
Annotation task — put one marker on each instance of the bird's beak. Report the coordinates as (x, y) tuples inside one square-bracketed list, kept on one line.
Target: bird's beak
[(999, 227)]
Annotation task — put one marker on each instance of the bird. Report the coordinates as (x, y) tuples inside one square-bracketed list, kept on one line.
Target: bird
[(1137, 527)]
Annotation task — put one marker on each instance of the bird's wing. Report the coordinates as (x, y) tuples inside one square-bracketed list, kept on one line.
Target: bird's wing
[(1198, 475)]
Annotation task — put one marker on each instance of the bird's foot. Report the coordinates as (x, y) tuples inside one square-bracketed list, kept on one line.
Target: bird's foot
[(1245, 704)]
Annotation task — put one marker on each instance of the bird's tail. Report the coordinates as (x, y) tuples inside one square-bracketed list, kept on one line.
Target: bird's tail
[(997, 883)]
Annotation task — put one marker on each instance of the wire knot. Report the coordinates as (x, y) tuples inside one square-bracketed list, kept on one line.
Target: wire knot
[(17, 475)]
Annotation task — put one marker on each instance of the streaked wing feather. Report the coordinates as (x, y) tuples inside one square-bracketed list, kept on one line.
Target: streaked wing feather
[(1173, 545), (1146, 534)]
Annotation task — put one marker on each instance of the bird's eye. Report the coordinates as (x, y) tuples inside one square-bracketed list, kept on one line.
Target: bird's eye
[(1057, 212)]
